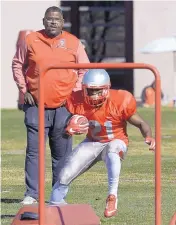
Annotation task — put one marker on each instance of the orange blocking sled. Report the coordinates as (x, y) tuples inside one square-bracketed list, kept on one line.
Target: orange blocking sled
[(173, 220), (71, 214)]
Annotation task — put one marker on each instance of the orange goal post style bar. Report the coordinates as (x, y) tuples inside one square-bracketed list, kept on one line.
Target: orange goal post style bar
[(43, 68)]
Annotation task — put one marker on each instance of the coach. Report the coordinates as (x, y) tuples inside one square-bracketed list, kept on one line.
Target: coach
[(51, 42)]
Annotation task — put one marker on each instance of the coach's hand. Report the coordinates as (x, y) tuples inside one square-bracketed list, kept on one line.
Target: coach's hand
[(28, 99), (151, 142)]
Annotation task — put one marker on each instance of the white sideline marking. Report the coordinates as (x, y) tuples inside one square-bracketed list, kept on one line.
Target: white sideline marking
[(13, 152)]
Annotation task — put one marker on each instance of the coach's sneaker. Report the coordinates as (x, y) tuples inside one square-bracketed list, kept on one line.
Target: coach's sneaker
[(111, 206), (29, 200)]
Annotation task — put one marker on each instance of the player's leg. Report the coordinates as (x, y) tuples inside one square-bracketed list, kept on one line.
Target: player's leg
[(114, 153), (80, 160), (60, 145)]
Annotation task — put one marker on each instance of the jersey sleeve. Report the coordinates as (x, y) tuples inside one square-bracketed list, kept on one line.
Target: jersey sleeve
[(129, 106), (17, 67), (73, 102), (70, 104)]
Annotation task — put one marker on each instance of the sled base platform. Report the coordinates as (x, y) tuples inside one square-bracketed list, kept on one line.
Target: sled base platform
[(70, 214), (173, 220)]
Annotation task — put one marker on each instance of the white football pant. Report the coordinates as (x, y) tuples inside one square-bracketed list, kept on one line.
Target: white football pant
[(82, 158)]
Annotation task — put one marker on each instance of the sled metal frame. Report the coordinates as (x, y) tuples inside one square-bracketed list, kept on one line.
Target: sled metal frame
[(43, 68)]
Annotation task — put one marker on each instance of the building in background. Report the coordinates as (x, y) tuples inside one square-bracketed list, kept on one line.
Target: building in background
[(153, 20), (114, 31), (16, 16), (107, 28)]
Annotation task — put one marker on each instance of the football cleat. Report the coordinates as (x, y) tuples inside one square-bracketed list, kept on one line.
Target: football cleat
[(111, 206)]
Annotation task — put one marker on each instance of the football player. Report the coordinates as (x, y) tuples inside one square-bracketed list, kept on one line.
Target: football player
[(108, 112)]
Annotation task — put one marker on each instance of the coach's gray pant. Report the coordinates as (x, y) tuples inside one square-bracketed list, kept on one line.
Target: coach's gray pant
[(61, 146)]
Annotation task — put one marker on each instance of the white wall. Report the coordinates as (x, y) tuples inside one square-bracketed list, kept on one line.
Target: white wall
[(16, 16), (153, 20)]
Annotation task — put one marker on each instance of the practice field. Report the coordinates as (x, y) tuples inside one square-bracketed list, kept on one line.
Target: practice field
[(136, 190)]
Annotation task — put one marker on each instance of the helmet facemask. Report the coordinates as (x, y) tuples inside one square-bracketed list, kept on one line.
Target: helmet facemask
[(95, 96), (96, 84)]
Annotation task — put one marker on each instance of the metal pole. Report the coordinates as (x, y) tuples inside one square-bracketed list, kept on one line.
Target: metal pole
[(158, 151), (41, 156), (56, 65)]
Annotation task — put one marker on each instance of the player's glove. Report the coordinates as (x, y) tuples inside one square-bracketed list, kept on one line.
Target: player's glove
[(151, 142), (76, 125)]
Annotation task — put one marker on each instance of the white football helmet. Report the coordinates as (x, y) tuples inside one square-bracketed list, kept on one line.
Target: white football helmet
[(98, 81)]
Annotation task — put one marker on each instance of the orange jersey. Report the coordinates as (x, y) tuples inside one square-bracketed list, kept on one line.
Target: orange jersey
[(22, 37), (58, 83), (109, 121)]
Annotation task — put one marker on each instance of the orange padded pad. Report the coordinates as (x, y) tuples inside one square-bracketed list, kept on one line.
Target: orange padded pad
[(71, 214), (173, 220)]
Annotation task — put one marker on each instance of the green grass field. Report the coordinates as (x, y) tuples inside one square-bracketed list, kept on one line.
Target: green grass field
[(136, 190)]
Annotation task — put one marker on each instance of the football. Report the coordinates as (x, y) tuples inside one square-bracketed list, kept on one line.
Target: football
[(79, 120), (77, 124)]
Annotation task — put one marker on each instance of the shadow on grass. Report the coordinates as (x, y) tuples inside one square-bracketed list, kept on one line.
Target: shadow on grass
[(7, 216), (6, 200)]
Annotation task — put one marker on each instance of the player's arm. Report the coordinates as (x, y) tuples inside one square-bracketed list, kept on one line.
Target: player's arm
[(76, 123), (144, 128)]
